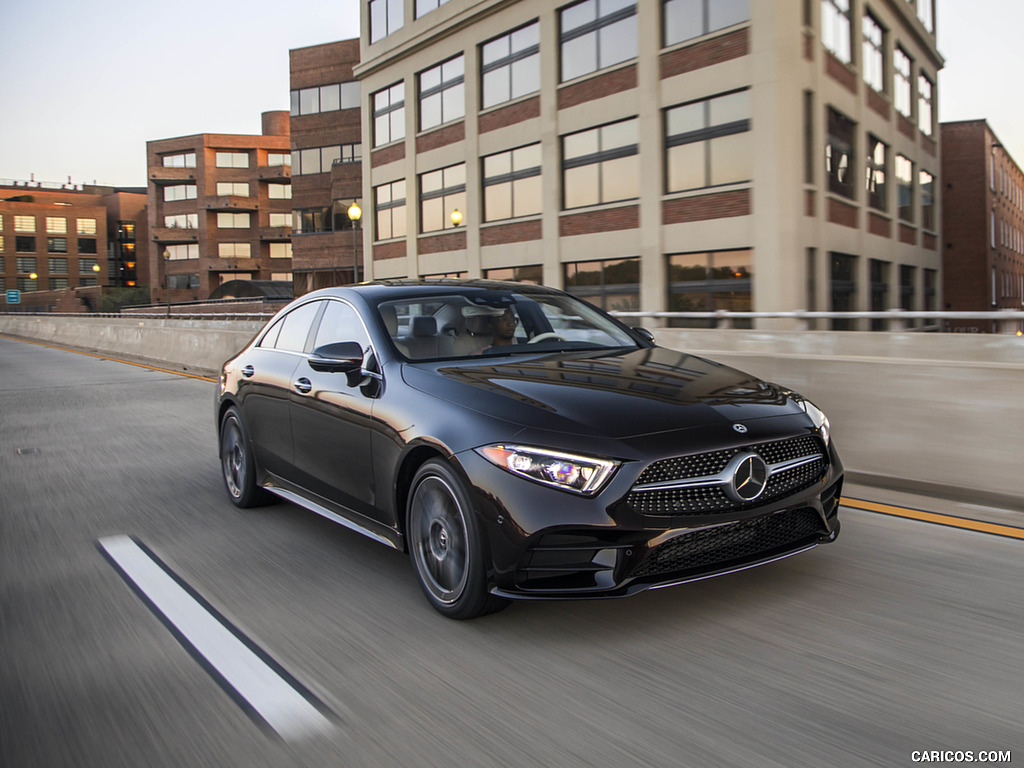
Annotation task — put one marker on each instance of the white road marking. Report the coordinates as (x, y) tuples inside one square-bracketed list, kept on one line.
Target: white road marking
[(272, 697)]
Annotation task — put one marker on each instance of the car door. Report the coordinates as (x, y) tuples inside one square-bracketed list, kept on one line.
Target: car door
[(332, 422), (265, 387)]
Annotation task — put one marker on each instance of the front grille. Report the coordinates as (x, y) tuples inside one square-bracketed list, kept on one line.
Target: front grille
[(710, 498), (732, 543)]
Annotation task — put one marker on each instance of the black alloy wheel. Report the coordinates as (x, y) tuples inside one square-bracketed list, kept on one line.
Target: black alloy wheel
[(237, 464)]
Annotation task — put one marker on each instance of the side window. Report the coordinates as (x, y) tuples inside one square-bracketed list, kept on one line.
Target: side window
[(340, 323), (295, 327)]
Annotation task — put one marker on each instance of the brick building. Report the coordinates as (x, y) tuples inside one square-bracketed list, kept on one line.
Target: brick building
[(219, 210), (663, 155), (983, 215), (59, 236), (326, 165)]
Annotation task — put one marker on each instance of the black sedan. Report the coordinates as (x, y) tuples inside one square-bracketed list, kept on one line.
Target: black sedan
[(520, 443)]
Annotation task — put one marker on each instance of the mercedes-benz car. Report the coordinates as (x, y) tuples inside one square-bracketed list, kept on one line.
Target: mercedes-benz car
[(520, 443)]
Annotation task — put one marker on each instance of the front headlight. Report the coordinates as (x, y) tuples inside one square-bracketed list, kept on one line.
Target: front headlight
[(581, 474), (820, 420)]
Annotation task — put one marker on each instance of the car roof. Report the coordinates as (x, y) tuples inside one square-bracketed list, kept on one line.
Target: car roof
[(385, 290)]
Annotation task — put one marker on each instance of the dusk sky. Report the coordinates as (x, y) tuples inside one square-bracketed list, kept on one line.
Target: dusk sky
[(86, 85)]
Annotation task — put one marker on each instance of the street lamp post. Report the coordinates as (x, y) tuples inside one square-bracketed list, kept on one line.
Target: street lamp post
[(167, 280), (354, 214)]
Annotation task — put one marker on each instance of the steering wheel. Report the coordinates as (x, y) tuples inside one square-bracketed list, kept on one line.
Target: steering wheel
[(546, 336)]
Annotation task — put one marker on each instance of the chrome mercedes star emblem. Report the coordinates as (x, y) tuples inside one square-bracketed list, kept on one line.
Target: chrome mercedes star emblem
[(740, 428), (749, 477)]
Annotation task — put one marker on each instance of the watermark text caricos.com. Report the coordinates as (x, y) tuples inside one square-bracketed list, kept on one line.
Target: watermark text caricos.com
[(959, 756)]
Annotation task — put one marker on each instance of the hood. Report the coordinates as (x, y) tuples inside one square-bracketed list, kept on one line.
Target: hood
[(615, 395)]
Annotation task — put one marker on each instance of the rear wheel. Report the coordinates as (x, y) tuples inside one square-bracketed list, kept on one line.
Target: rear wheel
[(238, 467), (447, 548)]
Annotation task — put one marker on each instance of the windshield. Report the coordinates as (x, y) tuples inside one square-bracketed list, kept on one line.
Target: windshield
[(496, 322)]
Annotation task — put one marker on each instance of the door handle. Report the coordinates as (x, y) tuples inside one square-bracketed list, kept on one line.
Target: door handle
[(303, 385), (248, 371)]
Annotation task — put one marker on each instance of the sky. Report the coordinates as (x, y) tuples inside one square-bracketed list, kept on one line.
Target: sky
[(84, 85)]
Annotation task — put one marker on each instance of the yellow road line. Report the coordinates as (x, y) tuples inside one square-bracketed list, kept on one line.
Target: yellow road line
[(111, 359), (933, 517)]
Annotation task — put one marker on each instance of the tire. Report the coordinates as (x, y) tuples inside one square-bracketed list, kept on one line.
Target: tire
[(238, 467), (446, 546)]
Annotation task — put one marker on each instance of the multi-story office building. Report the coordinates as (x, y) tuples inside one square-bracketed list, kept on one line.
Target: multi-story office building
[(983, 215), (59, 236), (326, 165), (658, 154), (219, 209)]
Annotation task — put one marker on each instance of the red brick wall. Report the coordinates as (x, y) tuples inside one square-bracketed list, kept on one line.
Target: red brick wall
[(929, 242), (597, 87), (393, 250), (879, 225), (510, 115), (717, 206), (842, 213), (808, 46), (840, 73), (906, 127), (515, 232), (452, 241), (441, 137), (705, 54), (877, 102), (810, 203), (908, 235), (388, 154), (928, 144), (599, 221)]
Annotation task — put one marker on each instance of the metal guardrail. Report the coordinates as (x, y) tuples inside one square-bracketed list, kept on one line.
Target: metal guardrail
[(898, 319)]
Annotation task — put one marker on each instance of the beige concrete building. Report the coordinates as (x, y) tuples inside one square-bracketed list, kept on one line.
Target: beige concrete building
[(657, 154), (219, 210)]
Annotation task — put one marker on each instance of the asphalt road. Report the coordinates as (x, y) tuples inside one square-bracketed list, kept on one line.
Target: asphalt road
[(900, 637)]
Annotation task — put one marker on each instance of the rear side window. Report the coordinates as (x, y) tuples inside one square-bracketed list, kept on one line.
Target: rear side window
[(294, 328), (340, 323)]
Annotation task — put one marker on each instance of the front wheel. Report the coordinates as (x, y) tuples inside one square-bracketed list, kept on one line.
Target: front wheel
[(446, 546), (238, 467)]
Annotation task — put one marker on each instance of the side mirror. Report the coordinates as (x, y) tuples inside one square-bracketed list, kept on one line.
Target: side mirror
[(340, 357), (644, 334)]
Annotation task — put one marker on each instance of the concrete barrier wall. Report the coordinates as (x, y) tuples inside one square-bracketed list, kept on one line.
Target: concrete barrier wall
[(936, 413)]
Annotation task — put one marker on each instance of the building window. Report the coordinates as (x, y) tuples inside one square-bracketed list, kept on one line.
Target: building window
[(275, 159), (389, 209), (179, 192), (904, 170), (927, 184), (233, 221), (24, 244), (836, 30), (611, 285), (280, 250), (596, 34), (901, 96), (924, 105), (839, 159), (183, 282), (58, 265), (442, 93), (279, 191), (844, 289), (533, 274), (58, 283), (908, 290), (510, 65), (56, 245), (324, 98), (512, 183), (27, 284), (86, 227), (810, 145), (874, 56), (705, 282), (182, 221), (687, 19), (85, 266), (441, 192), (322, 159), (706, 142), (310, 220), (232, 188), (423, 7), (389, 114), (600, 165), (180, 160), (182, 252), (1, 248), (24, 223), (385, 18), (232, 159), (280, 220), (926, 13), (931, 281), (879, 277), (234, 250), (56, 225), (26, 263), (878, 158)]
